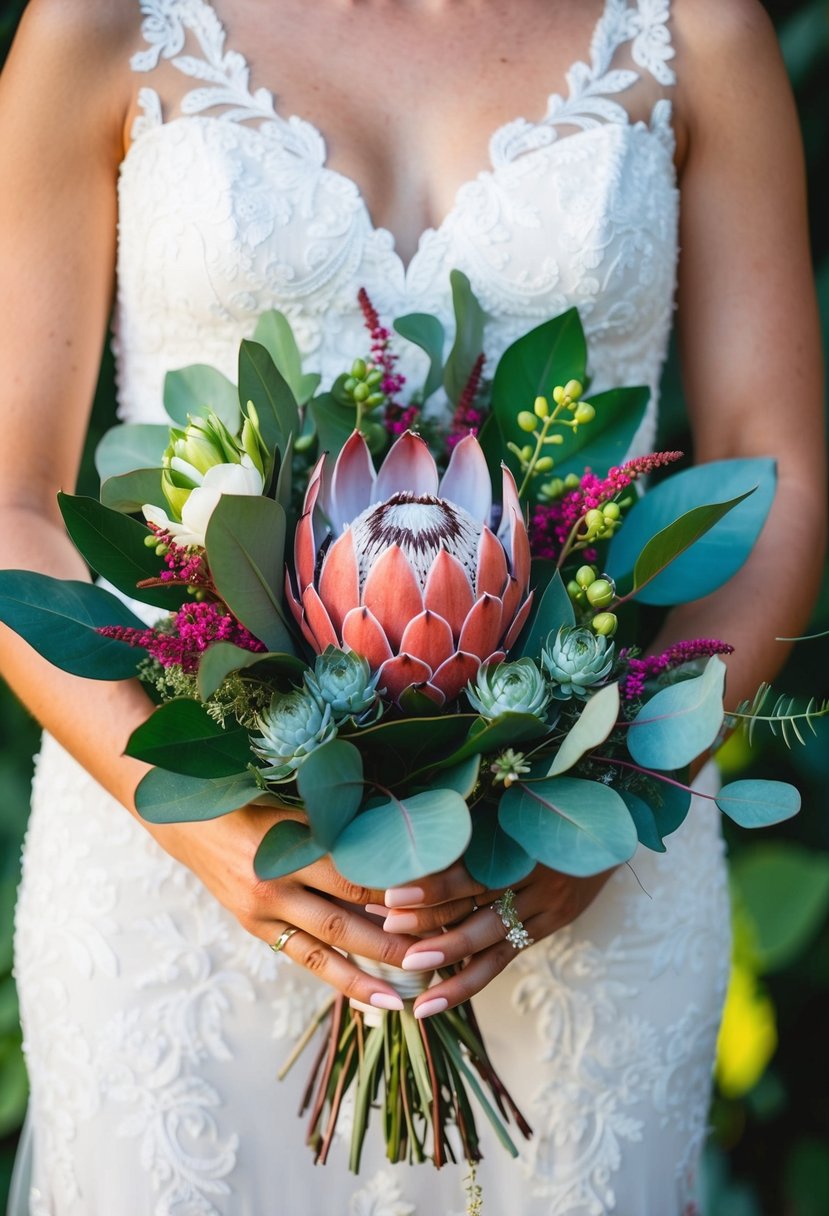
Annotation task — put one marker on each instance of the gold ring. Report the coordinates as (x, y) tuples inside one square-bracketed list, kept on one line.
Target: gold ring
[(517, 935), (283, 939)]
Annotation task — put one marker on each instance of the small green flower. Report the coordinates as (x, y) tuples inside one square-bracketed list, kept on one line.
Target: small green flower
[(576, 659), (508, 766), (294, 725), (343, 680), (517, 688)]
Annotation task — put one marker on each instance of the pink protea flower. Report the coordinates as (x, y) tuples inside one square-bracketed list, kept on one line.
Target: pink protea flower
[(402, 566)]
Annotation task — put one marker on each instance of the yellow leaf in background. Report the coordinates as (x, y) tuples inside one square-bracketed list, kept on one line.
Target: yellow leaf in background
[(748, 1035)]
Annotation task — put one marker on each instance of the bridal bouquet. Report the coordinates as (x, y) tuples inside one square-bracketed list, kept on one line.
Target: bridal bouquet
[(418, 640)]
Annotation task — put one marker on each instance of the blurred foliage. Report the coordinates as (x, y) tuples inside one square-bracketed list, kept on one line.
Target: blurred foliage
[(769, 1150)]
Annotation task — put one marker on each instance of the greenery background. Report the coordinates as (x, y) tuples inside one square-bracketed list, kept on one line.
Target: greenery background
[(768, 1153)]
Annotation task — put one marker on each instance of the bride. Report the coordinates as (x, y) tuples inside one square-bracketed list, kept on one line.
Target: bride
[(146, 162)]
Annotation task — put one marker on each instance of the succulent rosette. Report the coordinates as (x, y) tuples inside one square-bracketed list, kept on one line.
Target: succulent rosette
[(403, 566), (517, 688), (576, 659), (294, 725), (343, 680)]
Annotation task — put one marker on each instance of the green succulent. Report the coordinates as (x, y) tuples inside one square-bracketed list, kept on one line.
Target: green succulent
[(342, 680), (576, 659), (517, 688), (292, 727)]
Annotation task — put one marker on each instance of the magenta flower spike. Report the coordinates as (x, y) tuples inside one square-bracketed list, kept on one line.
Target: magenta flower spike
[(403, 567)]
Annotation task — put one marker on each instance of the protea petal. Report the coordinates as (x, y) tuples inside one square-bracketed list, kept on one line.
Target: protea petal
[(455, 674), (408, 467), (492, 565), (392, 593), (519, 622), (362, 632), (299, 615), (339, 583), (511, 598), (481, 631), (352, 483), (432, 692), (466, 480), (305, 546), (448, 592), (318, 620), (401, 671), (509, 502), (428, 637), (520, 546)]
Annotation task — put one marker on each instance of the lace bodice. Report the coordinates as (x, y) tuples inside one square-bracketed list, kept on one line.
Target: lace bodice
[(228, 208)]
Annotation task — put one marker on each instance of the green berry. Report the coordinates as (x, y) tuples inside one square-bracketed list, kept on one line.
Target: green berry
[(544, 465), (362, 392), (584, 412), (611, 510), (527, 421), (359, 369), (541, 407), (573, 389), (605, 624), (600, 593), (585, 575)]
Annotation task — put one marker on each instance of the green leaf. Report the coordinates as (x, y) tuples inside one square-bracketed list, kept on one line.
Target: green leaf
[(578, 827), (182, 738), (131, 446), (644, 819), (401, 840), (334, 423), (198, 389), (672, 541), (396, 748), (606, 440), (679, 722), (128, 492), (553, 610), (463, 777), (164, 797), (425, 331), (286, 847), (113, 545), (592, 727), (506, 730), (784, 888), (469, 336), (273, 331), (719, 553), (261, 382), (667, 804), (758, 803), (222, 658), (492, 857), (59, 618), (331, 785), (245, 541)]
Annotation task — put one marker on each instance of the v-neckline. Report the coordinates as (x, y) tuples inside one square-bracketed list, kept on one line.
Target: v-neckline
[(406, 264)]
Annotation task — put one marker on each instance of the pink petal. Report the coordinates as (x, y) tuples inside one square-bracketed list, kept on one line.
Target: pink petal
[(454, 675), (520, 548), (430, 691), (362, 632), (296, 609), (408, 467), (392, 594), (466, 480), (428, 637), (398, 673), (352, 483), (447, 592), (492, 660), (305, 545), (339, 583), (492, 565), (510, 502), (481, 631), (519, 622), (318, 620), (511, 598)]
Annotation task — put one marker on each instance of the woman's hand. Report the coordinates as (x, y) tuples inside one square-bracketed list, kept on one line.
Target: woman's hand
[(316, 901), (455, 911)]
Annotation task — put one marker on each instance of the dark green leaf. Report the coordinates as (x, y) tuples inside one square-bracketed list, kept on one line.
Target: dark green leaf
[(198, 389), (493, 857), (672, 541), (163, 797), (680, 722), (397, 748), (220, 659), (334, 423), (130, 491), (504, 731), (261, 382), (425, 331), (273, 331), (606, 440), (182, 738), (469, 336), (784, 888), (645, 821), (59, 618), (552, 610), (130, 446), (330, 783), (286, 847), (463, 777)]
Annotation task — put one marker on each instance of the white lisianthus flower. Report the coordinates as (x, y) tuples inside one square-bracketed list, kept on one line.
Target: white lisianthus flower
[(201, 502)]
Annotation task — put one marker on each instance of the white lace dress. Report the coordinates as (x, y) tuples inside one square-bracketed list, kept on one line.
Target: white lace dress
[(153, 1024)]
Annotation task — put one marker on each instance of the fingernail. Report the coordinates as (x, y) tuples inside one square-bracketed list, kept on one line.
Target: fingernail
[(428, 1008), (400, 922), (376, 909), (423, 960), (401, 897), (382, 1000)]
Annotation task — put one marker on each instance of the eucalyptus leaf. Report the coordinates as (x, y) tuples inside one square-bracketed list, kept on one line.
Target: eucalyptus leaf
[(197, 390), (645, 820), (492, 857), (164, 797), (113, 545), (274, 332), (680, 722), (261, 382), (286, 847), (462, 777), (59, 619), (181, 737), (469, 336), (591, 728), (128, 492), (575, 826), (404, 839), (506, 730), (553, 610), (130, 446), (425, 331), (222, 658), (331, 784), (758, 803)]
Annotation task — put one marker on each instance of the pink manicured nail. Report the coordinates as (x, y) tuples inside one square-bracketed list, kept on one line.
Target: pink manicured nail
[(376, 909), (400, 922), (428, 1008), (402, 897), (424, 960), (382, 1000)]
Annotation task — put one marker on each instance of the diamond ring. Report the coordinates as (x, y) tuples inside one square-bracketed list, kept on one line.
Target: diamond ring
[(517, 935)]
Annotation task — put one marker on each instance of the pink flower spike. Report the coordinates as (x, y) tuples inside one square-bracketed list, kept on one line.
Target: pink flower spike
[(352, 484), (408, 467), (466, 480)]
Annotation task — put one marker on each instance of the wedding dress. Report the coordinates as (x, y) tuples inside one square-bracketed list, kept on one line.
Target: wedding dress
[(154, 1025)]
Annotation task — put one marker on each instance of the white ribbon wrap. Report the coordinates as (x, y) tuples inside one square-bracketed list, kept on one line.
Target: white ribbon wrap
[(407, 984)]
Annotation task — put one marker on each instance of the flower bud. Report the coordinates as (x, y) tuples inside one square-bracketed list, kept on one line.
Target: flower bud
[(349, 384), (594, 522), (584, 412), (558, 394), (361, 392), (554, 488), (572, 481), (541, 407), (605, 624), (600, 593), (585, 575), (526, 453), (374, 377), (527, 421), (544, 464), (575, 591), (555, 438), (611, 510), (573, 389), (374, 399), (359, 369)]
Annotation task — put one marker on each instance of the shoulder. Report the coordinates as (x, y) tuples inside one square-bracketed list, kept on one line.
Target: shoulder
[(84, 27), (714, 27)]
